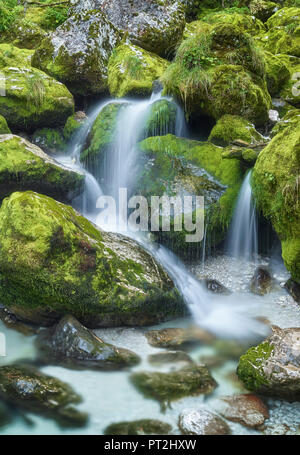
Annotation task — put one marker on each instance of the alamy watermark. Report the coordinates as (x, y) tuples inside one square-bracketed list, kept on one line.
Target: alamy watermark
[(163, 213)]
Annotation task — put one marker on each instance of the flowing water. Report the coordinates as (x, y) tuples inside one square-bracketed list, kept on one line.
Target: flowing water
[(109, 397)]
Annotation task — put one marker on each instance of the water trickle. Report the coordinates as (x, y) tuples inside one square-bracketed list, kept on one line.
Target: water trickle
[(242, 240)]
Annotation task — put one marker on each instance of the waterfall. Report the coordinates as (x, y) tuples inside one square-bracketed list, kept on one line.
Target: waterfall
[(222, 315), (242, 241)]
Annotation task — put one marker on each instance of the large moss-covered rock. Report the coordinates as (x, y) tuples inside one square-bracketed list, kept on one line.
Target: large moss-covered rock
[(245, 22), (24, 166), (155, 25), (273, 367), (276, 189), (221, 72), (77, 52), (277, 73), (70, 344), (177, 166), (67, 265), (3, 126), (32, 99), (166, 387), (36, 392), (230, 128), (132, 70)]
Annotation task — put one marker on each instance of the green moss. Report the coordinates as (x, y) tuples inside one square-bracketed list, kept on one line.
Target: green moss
[(250, 367), (291, 117), (23, 34), (132, 70), (290, 89), (161, 118), (262, 9), (245, 22), (276, 190), (73, 123), (3, 126), (231, 127), (50, 140), (277, 73), (284, 17), (24, 166), (67, 265)]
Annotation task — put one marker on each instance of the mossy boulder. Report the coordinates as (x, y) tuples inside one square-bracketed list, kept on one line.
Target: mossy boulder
[(231, 127), (132, 70), (73, 124), (68, 266), (77, 52), (176, 167), (30, 390), (275, 185), (245, 22), (262, 9), (217, 73), (70, 344), (290, 90), (154, 25), (290, 118), (138, 428), (284, 17), (3, 126), (166, 387), (50, 140), (101, 136), (195, 27), (32, 99), (273, 367), (24, 166), (24, 34), (277, 73)]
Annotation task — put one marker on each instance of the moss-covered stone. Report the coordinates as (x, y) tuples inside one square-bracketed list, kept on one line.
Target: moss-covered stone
[(32, 99), (67, 265), (161, 118), (50, 140), (33, 391), (291, 117), (231, 127), (275, 186), (220, 73), (245, 22), (24, 34), (250, 368), (166, 387), (132, 70), (73, 124), (277, 73), (24, 166), (3, 126), (262, 9), (138, 428), (284, 17), (77, 52), (195, 27), (290, 90)]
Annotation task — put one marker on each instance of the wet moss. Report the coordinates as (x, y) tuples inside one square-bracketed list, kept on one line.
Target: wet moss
[(250, 368), (231, 127), (3, 126)]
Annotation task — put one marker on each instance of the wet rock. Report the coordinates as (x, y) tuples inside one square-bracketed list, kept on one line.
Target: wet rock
[(138, 427), (155, 26), (215, 286), (202, 422), (261, 282), (273, 367), (10, 320), (178, 358), (71, 266), (174, 337), (246, 409), (24, 166), (293, 288), (71, 344), (166, 387), (50, 140), (31, 390)]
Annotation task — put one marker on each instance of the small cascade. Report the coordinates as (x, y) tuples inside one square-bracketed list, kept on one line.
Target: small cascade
[(242, 241)]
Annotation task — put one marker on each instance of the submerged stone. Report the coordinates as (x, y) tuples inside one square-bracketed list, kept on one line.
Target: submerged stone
[(246, 409), (273, 367), (261, 282), (28, 389), (202, 422), (138, 428), (24, 166), (71, 344), (174, 337), (177, 359), (69, 266), (166, 387)]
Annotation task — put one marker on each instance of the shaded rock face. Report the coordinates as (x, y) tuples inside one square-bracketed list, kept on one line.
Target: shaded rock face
[(24, 166), (33, 391), (261, 282), (71, 344), (138, 427), (293, 288), (77, 53), (68, 265), (273, 367), (166, 387), (153, 25), (246, 409), (202, 422)]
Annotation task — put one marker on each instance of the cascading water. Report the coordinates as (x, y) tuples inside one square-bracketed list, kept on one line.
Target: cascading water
[(242, 242)]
